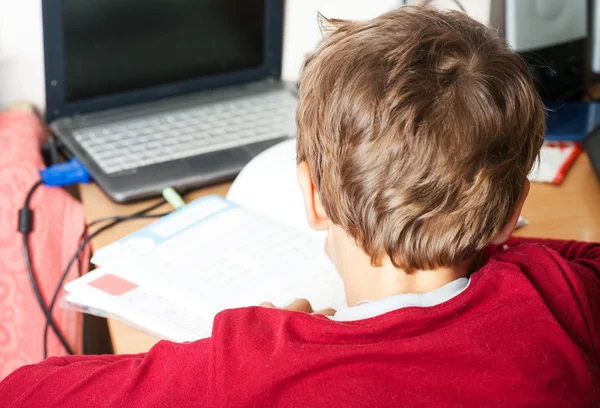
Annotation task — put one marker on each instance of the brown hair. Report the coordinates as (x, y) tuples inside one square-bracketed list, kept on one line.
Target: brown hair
[(419, 128)]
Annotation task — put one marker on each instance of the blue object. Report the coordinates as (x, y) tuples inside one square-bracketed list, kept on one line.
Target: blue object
[(64, 174), (571, 120)]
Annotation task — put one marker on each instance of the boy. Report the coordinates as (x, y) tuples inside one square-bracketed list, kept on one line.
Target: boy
[(416, 131)]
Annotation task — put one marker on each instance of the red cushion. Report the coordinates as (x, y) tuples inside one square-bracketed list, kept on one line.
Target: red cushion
[(58, 225)]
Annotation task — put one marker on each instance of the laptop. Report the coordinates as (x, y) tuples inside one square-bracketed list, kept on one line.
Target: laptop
[(161, 93)]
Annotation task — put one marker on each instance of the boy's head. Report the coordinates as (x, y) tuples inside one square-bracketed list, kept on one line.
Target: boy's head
[(416, 131)]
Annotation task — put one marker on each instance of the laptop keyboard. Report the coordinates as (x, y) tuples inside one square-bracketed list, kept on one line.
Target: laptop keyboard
[(190, 131)]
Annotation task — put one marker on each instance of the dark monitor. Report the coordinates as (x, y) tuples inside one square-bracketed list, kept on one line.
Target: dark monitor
[(101, 54)]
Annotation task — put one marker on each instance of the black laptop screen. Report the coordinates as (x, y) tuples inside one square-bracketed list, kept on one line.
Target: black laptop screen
[(114, 46)]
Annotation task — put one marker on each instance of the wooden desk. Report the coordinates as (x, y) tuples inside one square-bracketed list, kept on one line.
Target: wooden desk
[(569, 211)]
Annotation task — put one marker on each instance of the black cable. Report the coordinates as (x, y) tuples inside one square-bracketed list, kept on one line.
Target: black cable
[(125, 218), (115, 220), (64, 276), (139, 214), (25, 227), (106, 219), (38, 296), (30, 193)]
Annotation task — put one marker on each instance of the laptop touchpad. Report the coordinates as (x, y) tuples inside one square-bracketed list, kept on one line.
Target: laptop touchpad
[(218, 161)]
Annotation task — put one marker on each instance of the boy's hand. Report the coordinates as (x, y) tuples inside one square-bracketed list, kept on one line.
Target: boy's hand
[(300, 305)]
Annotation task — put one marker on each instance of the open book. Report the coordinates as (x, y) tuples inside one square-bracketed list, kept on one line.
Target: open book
[(171, 277)]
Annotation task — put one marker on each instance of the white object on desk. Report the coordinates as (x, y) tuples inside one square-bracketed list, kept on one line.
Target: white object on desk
[(208, 256), (137, 307), (268, 186), (535, 24)]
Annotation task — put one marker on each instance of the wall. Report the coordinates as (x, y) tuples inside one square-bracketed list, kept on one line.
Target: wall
[(301, 25), (21, 52), (302, 32), (478, 9), (21, 49)]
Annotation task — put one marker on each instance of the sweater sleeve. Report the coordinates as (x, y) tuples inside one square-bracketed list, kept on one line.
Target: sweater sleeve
[(170, 373), (583, 256), (567, 275)]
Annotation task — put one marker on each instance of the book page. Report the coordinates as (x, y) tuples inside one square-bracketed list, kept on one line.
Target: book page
[(225, 256), (268, 186), (135, 306)]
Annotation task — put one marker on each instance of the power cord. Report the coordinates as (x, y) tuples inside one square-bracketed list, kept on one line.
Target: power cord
[(112, 221), (25, 228), (64, 174), (61, 174), (82, 246)]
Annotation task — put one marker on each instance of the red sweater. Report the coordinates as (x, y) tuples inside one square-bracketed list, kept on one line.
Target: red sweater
[(524, 333)]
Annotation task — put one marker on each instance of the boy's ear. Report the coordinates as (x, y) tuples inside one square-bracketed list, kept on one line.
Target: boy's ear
[(511, 224), (315, 213)]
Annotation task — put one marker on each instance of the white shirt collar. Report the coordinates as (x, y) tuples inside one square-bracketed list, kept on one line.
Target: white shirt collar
[(370, 309)]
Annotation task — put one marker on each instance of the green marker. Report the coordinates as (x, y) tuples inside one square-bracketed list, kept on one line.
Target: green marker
[(173, 197)]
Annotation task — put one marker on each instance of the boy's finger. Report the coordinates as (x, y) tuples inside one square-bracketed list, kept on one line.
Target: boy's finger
[(300, 305), (327, 312)]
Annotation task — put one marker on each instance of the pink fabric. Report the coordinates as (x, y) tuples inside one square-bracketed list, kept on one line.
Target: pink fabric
[(58, 225)]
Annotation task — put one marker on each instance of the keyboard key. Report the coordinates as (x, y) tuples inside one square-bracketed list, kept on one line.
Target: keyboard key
[(169, 141), (137, 148), (245, 134), (184, 138)]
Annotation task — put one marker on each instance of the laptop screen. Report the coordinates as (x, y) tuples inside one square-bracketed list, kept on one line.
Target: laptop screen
[(113, 46)]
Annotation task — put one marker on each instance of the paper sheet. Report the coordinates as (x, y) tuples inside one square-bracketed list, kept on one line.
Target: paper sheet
[(227, 257), (268, 186), (136, 307)]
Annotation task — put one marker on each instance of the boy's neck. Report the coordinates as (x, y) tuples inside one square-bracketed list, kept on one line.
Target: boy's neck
[(374, 283), (362, 281)]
